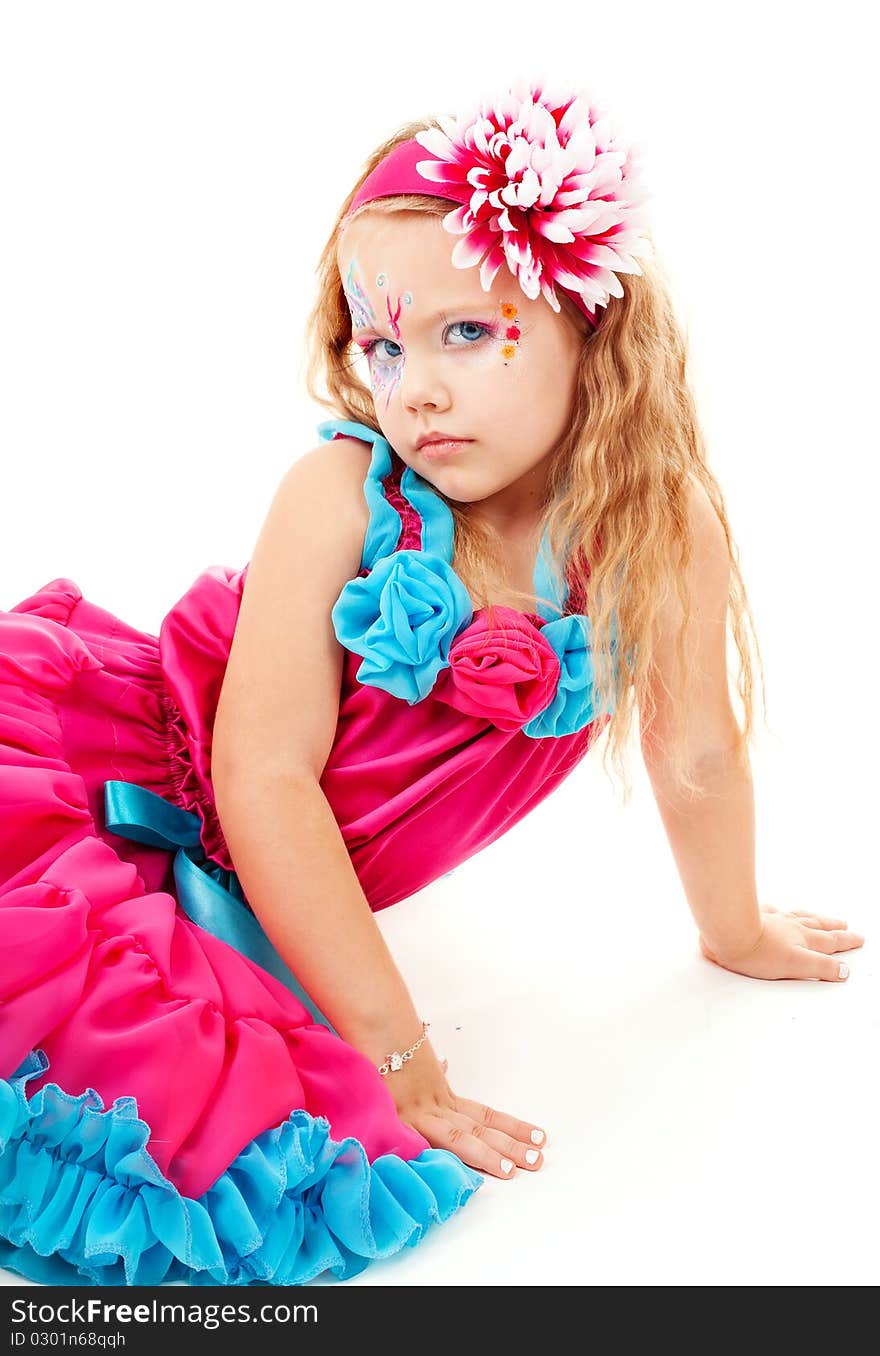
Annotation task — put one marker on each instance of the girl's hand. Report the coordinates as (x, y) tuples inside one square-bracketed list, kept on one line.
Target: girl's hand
[(797, 945), (485, 1139)]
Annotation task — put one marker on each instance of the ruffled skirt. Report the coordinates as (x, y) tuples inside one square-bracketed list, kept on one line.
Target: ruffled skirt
[(169, 1110)]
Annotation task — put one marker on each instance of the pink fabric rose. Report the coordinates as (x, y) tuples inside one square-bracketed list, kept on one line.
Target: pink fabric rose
[(505, 673)]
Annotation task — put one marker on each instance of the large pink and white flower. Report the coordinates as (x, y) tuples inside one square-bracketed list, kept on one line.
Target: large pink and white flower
[(546, 187)]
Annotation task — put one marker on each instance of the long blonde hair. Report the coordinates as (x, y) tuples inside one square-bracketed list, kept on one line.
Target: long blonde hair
[(617, 497)]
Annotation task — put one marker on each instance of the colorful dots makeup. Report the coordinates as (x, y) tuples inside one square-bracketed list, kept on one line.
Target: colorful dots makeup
[(512, 332)]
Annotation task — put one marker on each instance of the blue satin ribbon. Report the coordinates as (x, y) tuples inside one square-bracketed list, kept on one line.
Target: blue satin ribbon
[(208, 894)]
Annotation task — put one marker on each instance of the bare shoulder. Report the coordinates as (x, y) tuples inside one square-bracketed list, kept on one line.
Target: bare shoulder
[(279, 700), (706, 530), (339, 453), (708, 588), (332, 475), (707, 574), (709, 566)]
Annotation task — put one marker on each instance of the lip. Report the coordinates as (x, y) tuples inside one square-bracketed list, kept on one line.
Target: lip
[(435, 449)]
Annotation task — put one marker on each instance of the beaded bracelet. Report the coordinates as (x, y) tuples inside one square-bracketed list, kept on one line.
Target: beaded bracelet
[(396, 1060)]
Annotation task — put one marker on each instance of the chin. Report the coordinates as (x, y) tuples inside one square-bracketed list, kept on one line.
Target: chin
[(455, 488)]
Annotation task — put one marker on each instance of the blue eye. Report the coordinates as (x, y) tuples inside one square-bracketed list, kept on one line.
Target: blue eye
[(474, 324), (482, 330), (368, 348)]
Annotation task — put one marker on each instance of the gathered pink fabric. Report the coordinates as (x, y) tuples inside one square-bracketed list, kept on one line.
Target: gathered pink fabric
[(415, 790), (102, 970), (98, 967)]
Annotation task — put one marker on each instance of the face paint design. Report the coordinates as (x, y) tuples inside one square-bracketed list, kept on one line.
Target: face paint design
[(362, 312), (393, 317), (384, 377), (512, 333), (386, 371)]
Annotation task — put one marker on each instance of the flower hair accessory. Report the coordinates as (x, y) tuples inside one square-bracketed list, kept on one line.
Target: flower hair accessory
[(542, 184)]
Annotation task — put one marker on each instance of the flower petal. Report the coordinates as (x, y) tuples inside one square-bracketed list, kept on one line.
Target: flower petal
[(545, 166), (402, 617)]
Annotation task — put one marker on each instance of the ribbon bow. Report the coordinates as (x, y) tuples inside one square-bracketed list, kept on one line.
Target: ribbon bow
[(209, 895)]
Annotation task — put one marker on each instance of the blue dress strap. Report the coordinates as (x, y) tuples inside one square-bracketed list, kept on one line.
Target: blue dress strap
[(438, 524), (547, 582), (383, 532), (384, 527)]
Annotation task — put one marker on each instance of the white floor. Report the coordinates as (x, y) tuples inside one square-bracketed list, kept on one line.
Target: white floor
[(703, 1128)]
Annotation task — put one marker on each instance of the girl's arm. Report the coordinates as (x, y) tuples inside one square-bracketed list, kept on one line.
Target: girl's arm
[(713, 837), (273, 731), (297, 875), (274, 728)]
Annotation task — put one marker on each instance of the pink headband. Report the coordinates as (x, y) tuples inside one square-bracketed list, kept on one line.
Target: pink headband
[(542, 185)]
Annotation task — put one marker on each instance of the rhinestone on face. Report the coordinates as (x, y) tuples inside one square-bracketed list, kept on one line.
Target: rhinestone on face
[(407, 296), (396, 1060), (380, 280)]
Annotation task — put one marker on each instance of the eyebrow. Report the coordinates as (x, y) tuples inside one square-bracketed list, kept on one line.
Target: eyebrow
[(485, 305)]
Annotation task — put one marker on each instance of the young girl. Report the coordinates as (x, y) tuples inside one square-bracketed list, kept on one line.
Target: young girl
[(507, 540)]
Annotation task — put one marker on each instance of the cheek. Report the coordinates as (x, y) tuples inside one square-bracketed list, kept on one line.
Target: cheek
[(496, 370), (510, 380), (539, 378)]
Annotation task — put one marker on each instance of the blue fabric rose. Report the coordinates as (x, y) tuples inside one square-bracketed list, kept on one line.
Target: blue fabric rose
[(402, 617), (573, 706)]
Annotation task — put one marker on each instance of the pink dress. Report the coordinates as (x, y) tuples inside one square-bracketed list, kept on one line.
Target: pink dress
[(172, 1105)]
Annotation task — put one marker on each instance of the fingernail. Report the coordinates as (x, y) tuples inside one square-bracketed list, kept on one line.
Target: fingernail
[(844, 970), (506, 1165), (537, 1136), (532, 1155)]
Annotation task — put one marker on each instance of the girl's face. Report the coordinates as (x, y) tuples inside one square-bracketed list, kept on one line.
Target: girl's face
[(446, 357)]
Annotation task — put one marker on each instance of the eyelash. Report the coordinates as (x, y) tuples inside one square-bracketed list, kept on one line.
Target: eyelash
[(488, 332)]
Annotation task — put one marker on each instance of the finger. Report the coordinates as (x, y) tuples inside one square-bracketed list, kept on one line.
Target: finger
[(812, 964), (524, 1155), (471, 1149), (526, 1131), (817, 939), (813, 920)]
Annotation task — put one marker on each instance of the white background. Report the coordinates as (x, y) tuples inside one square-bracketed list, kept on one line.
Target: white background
[(170, 172)]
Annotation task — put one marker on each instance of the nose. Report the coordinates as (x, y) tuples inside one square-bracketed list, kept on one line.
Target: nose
[(421, 386)]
